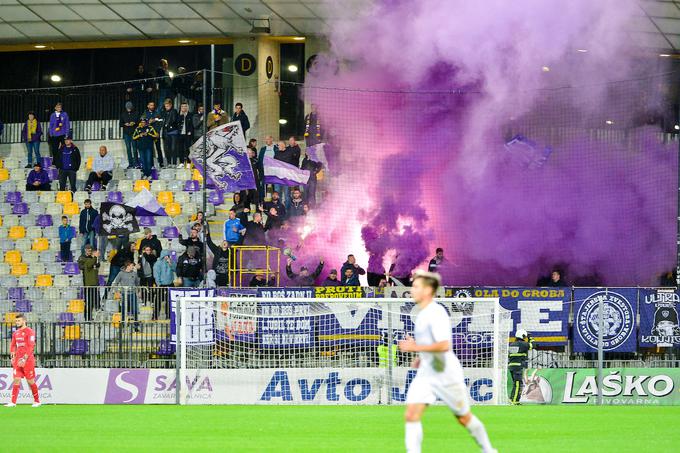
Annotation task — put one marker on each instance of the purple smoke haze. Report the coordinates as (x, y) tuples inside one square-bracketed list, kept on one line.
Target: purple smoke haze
[(422, 161)]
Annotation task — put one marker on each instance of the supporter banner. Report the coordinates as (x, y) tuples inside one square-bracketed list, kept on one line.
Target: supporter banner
[(659, 318), (340, 292), (352, 323), (285, 324), (200, 322), (278, 172), (237, 319), (543, 312), (227, 160), (620, 311), (620, 386), (117, 220)]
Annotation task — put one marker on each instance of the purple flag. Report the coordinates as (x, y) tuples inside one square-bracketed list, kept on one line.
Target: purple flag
[(227, 160), (277, 172), (146, 205)]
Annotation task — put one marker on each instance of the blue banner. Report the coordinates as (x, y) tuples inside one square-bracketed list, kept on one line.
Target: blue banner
[(543, 312), (659, 311), (355, 324), (620, 311), (285, 323)]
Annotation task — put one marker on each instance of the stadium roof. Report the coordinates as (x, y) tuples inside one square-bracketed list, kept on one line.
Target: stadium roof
[(38, 21), (33, 21)]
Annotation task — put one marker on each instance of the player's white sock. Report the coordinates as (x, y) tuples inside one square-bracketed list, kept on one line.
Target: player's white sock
[(414, 437), (477, 430)]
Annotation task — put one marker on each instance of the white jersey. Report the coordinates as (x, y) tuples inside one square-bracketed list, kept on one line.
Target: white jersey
[(433, 325)]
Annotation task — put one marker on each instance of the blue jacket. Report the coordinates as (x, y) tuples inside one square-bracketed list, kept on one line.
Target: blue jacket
[(164, 272), (229, 234), (66, 233)]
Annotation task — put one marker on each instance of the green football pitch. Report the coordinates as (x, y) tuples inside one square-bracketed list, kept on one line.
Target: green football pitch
[(333, 429)]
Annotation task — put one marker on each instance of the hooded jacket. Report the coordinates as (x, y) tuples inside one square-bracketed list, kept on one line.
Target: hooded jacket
[(67, 158), (86, 221), (146, 262), (154, 243), (164, 272), (221, 257), (89, 265)]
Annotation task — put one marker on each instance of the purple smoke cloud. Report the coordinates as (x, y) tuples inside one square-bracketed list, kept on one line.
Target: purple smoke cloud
[(440, 88)]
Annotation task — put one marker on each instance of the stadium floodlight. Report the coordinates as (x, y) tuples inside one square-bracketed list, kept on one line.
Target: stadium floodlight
[(664, 55), (677, 127), (56, 78), (298, 38), (261, 26), (582, 50), (277, 350), (292, 68), (40, 46), (283, 121), (184, 41)]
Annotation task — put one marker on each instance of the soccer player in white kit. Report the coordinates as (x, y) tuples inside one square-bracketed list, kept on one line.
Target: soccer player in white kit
[(440, 374)]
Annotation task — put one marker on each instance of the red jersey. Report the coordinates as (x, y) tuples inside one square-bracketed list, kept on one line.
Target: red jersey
[(23, 343)]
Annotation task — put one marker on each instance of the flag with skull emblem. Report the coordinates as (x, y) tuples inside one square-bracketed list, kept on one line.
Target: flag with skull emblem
[(117, 220), (226, 159)]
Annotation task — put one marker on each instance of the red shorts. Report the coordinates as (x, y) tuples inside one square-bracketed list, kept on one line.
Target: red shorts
[(27, 371)]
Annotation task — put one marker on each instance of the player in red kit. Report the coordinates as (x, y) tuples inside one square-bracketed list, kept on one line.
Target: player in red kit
[(23, 360)]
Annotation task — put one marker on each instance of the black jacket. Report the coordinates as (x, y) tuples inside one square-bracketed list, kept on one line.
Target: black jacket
[(197, 123), (122, 255), (289, 155), (518, 353), (190, 267), (169, 121), (128, 117), (221, 259), (254, 233), (303, 281), (189, 242), (154, 243), (87, 216), (151, 259), (280, 208), (243, 119), (358, 270), (186, 121)]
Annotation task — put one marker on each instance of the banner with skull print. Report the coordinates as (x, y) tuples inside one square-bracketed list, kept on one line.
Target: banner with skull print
[(659, 318), (117, 220), (227, 159)]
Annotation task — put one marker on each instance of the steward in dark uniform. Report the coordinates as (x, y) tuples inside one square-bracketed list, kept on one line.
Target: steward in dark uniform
[(518, 356)]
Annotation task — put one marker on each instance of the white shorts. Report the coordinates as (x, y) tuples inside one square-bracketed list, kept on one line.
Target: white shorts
[(426, 390)]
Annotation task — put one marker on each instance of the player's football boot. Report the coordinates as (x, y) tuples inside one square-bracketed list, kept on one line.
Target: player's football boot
[(38, 404), (10, 405)]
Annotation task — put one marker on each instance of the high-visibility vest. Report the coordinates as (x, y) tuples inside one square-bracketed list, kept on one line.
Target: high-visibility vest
[(383, 354)]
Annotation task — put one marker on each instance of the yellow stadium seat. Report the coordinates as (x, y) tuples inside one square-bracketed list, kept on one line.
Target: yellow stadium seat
[(71, 332), (141, 184), (88, 163), (44, 280), (19, 269), (0, 220), (13, 257), (10, 317), (196, 175), (165, 197), (138, 244), (2, 163), (115, 319), (41, 244), (71, 209), (64, 197), (17, 232), (173, 209), (4, 174), (76, 306)]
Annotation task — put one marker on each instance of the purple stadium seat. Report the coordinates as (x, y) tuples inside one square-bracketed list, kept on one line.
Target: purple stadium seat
[(23, 306), (191, 186), (165, 348), (216, 197), (170, 232), (114, 197), (96, 186), (46, 162), (146, 221), (15, 293), (78, 347), (66, 319), (44, 220), (154, 174), (71, 269), (13, 197), (54, 174), (102, 280), (20, 209)]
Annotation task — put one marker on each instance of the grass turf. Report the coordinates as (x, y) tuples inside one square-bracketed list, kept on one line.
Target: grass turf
[(335, 429)]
